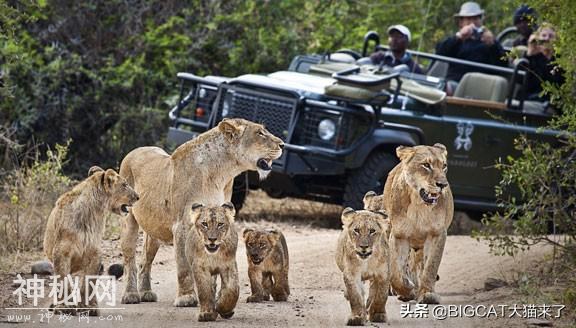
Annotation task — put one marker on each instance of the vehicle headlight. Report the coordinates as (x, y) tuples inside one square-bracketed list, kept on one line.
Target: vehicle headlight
[(225, 108), (326, 129)]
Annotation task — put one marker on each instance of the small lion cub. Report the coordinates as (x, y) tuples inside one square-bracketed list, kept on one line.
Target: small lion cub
[(75, 225), (211, 249), (267, 265), (362, 254)]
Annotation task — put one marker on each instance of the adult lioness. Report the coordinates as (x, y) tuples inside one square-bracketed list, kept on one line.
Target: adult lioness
[(420, 206), (362, 254), (201, 170), (211, 248), (74, 230)]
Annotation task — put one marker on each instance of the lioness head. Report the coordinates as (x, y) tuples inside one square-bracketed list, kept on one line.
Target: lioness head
[(120, 195), (256, 147), (364, 228), (213, 223), (424, 169), (259, 243)]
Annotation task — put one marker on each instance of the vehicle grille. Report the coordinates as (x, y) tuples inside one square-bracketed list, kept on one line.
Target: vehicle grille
[(274, 112)]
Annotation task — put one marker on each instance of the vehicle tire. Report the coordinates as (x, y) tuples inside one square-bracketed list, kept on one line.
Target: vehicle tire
[(371, 176), (239, 191)]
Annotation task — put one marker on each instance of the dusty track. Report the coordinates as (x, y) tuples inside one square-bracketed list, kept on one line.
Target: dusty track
[(316, 298)]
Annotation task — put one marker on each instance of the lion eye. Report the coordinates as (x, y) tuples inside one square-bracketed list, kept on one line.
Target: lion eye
[(356, 230), (426, 166), (444, 167), (261, 133), (205, 225), (262, 245), (372, 231), (220, 225)]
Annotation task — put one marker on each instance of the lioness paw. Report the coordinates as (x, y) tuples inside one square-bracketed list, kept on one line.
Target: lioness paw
[(356, 321), (148, 296), (131, 298), (227, 315), (207, 316), (254, 299), (429, 298), (378, 317), (186, 301)]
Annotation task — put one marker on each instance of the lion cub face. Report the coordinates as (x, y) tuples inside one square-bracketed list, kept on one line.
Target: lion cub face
[(364, 228), (257, 147), (121, 196), (213, 223), (425, 170), (259, 244)]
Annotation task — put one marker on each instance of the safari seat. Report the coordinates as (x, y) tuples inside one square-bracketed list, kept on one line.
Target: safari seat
[(481, 86)]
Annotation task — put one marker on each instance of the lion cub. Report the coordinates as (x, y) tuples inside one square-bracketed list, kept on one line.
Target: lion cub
[(74, 229), (362, 254), (267, 265), (211, 249)]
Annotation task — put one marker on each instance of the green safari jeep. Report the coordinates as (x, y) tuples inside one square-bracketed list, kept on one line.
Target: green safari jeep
[(342, 119)]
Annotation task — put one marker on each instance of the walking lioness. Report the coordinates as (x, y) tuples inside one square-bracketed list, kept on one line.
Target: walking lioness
[(201, 170), (420, 206)]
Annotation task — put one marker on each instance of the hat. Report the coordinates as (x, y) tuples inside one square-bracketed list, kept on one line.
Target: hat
[(470, 9), (402, 29), (524, 13)]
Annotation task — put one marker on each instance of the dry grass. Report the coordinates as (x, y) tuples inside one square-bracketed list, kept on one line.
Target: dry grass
[(26, 199), (259, 207)]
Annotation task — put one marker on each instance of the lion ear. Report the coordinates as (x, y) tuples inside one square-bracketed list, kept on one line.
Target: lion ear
[(231, 128), (95, 169), (109, 178), (404, 152), (369, 195), (195, 212), (441, 147), (273, 236), (246, 232), (347, 216), (230, 210)]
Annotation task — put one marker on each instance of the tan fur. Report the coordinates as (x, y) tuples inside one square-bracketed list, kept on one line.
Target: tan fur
[(418, 226), (211, 248), (362, 255), (268, 265), (201, 170), (74, 229)]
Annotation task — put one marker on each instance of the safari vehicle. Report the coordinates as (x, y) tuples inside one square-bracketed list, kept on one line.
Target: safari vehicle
[(341, 122)]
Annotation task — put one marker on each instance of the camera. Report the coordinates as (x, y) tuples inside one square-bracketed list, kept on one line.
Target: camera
[(477, 33)]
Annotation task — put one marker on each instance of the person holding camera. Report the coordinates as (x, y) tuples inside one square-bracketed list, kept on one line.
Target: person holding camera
[(473, 42), (541, 67), (399, 38)]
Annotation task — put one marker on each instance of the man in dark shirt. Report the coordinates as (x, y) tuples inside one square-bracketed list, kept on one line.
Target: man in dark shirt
[(525, 21), (472, 42), (399, 38)]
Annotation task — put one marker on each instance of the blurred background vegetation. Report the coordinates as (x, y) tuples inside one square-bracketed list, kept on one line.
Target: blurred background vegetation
[(103, 73)]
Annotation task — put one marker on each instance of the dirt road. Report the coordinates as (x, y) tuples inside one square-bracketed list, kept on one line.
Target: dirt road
[(316, 298)]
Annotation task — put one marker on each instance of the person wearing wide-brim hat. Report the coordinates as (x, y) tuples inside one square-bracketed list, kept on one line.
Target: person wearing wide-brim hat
[(473, 42)]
